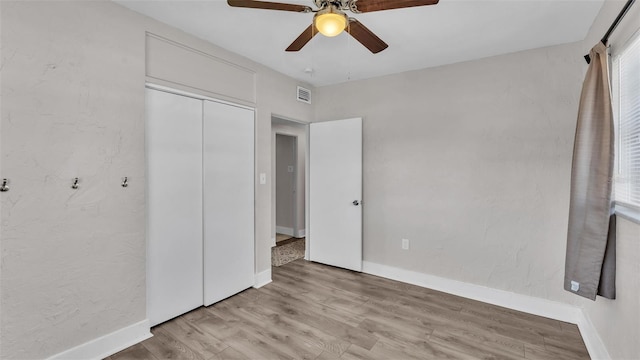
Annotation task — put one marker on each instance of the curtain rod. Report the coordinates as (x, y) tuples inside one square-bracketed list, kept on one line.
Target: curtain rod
[(613, 26)]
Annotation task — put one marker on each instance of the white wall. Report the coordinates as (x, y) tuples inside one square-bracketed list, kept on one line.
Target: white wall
[(73, 261), (471, 163), (299, 131), (618, 321), (285, 181), (72, 87)]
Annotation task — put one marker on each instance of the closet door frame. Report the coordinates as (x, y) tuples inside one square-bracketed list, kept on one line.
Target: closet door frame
[(203, 98)]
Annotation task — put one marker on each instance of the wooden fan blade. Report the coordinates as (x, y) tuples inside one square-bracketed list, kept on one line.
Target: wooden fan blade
[(268, 5), (303, 39), (365, 36), (363, 6)]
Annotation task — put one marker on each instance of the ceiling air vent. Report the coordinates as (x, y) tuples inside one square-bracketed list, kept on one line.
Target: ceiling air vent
[(304, 95)]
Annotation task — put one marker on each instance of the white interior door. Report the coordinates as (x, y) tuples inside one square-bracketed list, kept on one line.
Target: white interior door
[(228, 200), (174, 198), (335, 193)]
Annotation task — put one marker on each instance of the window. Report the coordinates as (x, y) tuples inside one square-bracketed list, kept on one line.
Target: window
[(626, 98)]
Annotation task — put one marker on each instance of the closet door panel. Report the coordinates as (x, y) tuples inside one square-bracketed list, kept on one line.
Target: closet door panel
[(228, 200), (174, 176)]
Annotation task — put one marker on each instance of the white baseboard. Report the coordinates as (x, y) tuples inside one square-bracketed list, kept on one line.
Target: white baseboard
[(529, 304), (284, 230), (289, 231), (262, 279), (595, 346), (109, 344)]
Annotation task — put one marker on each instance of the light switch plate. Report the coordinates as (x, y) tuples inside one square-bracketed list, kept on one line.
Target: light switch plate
[(290, 168), (263, 178)]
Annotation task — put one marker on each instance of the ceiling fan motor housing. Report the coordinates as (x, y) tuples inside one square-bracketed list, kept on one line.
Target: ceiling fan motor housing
[(338, 4)]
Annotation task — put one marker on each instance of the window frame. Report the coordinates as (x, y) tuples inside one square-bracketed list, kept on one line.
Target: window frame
[(623, 209)]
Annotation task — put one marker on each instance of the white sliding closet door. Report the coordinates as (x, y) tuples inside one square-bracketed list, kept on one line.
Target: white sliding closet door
[(174, 175), (228, 200)]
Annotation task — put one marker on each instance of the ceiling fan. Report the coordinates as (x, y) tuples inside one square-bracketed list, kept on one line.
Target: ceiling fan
[(331, 20)]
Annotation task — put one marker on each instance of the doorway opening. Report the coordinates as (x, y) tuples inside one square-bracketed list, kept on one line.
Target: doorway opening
[(288, 189)]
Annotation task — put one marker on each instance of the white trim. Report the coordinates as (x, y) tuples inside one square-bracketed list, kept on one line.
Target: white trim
[(109, 344), (301, 233), (262, 279), (284, 230), (153, 86), (307, 184), (628, 212), (529, 304), (596, 348)]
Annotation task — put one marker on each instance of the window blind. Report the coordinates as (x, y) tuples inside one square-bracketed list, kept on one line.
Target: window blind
[(627, 98)]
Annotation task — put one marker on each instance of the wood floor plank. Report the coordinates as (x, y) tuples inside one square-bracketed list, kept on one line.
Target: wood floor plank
[(135, 352), (253, 347), (394, 327), (326, 355), (163, 346), (468, 321), (570, 330), (315, 290), (230, 354), (471, 347), (193, 337), (298, 301), (566, 346), (495, 341), (327, 342), (206, 322), (385, 349), (318, 312), (539, 325), (422, 350), (534, 352), (396, 331), (252, 324), (322, 318)]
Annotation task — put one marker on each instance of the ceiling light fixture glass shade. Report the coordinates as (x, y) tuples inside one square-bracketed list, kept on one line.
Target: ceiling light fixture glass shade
[(330, 22)]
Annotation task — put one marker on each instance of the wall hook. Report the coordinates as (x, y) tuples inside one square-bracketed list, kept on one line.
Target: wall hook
[(75, 183), (125, 182), (4, 186)]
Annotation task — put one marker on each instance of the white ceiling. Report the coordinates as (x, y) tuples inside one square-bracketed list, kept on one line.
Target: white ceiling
[(420, 37)]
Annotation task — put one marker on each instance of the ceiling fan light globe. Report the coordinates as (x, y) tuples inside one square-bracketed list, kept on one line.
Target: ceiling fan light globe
[(330, 24)]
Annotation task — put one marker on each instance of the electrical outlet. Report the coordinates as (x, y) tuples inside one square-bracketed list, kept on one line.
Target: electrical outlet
[(405, 244)]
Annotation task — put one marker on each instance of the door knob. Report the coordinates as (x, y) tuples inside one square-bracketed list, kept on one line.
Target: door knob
[(356, 202)]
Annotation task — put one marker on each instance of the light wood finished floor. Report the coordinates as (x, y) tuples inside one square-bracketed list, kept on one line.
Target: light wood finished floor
[(312, 311)]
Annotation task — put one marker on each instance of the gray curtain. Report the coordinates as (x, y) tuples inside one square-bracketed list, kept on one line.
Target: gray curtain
[(591, 233)]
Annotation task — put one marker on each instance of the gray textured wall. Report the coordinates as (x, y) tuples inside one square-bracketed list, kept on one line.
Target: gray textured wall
[(285, 181), (471, 163), (298, 131), (73, 76), (618, 321)]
